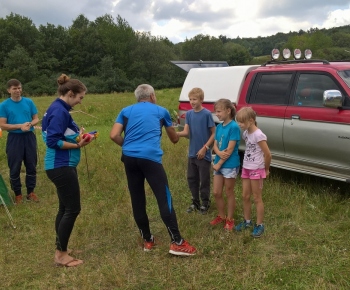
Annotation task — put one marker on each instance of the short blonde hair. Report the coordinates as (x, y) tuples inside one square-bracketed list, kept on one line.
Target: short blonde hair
[(245, 114), (196, 92)]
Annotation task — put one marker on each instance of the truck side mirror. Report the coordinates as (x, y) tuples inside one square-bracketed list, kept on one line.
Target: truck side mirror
[(332, 99)]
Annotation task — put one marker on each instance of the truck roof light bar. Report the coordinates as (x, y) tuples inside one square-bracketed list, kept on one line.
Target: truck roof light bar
[(286, 53), (308, 54), (297, 53), (275, 54)]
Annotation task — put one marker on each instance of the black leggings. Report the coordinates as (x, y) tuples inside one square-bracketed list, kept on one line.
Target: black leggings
[(137, 170), (68, 191)]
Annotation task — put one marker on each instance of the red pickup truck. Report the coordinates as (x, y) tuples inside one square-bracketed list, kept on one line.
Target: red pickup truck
[(303, 106)]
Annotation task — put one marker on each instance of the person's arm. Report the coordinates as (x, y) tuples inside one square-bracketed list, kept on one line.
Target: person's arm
[(83, 142), (116, 134), (55, 140), (267, 155), (225, 154), (35, 120), (185, 132), (172, 134), (202, 152), (212, 137), (218, 165), (11, 127)]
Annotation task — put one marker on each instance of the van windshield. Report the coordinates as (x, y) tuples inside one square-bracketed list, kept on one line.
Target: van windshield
[(345, 75)]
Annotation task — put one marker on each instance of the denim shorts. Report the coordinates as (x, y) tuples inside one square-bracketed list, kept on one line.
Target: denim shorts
[(228, 172)]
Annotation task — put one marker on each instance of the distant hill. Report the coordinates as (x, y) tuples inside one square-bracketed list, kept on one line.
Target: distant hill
[(262, 45)]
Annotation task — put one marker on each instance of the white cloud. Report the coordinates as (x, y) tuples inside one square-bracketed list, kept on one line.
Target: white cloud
[(337, 18), (178, 19)]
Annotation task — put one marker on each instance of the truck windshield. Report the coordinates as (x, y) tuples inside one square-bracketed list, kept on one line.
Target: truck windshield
[(345, 75)]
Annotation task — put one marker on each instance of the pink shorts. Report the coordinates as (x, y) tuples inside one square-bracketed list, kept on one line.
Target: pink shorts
[(253, 173)]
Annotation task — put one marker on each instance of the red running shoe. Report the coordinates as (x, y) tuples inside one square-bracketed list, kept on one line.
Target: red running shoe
[(148, 245), (229, 224), (184, 249), (217, 220)]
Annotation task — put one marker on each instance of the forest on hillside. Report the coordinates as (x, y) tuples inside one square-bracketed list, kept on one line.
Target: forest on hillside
[(108, 55)]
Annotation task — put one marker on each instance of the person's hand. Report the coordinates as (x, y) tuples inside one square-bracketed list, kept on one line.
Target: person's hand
[(216, 167), (26, 126), (267, 171), (201, 153), (85, 141), (224, 155)]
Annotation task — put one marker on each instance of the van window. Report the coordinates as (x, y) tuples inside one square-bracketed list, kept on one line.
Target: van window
[(271, 89), (310, 88)]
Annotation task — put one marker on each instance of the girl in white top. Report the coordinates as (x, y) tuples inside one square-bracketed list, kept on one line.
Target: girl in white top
[(256, 164)]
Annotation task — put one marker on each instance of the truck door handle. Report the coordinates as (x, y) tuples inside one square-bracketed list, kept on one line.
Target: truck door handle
[(295, 117)]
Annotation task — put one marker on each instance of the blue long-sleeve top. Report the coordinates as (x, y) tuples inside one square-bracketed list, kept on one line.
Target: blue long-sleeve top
[(58, 126)]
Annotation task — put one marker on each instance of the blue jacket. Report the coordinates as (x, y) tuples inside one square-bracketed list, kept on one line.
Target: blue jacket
[(58, 126)]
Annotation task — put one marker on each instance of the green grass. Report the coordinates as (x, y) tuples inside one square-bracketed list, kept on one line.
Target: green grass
[(305, 246)]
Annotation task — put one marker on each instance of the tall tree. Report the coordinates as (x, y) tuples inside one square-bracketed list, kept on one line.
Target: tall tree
[(52, 46), (16, 30), (319, 40), (151, 60), (87, 48), (341, 39), (117, 38), (236, 54), (21, 65), (203, 47)]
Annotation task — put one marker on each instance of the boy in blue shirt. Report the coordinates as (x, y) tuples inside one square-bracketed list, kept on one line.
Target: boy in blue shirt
[(200, 128)]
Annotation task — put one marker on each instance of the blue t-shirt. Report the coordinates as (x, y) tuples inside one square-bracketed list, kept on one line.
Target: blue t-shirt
[(18, 112), (58, 126), (143, 124), (200, 124), (223, 135)]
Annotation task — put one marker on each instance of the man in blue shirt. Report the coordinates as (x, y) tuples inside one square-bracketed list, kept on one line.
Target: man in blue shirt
[(142, 157), (18, 115)]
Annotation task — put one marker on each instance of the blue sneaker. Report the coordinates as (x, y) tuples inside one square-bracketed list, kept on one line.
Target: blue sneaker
[(243, 225), (258, 231)]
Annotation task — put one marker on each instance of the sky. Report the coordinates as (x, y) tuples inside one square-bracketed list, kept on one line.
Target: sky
[(181, 19)]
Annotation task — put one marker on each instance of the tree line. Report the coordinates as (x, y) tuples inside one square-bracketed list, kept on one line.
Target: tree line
[(108, 55)]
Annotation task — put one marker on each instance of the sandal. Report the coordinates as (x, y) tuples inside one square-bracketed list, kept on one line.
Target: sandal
[(68, 263)]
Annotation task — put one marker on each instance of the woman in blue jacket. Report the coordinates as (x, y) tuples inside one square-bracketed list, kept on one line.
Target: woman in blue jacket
[(62, 156)]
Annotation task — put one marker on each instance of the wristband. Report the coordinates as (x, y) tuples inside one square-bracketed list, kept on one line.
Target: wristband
[(207, 147)]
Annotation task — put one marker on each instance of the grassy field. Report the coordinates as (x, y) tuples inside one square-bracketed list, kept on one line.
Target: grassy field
[(305, 246)]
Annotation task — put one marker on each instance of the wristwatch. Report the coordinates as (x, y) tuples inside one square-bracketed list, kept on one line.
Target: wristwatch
[(207, 147)]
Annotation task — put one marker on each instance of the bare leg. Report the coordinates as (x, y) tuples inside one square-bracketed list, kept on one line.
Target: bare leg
[(217, 192), (230, 194), (257, 194), (247, 190)]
